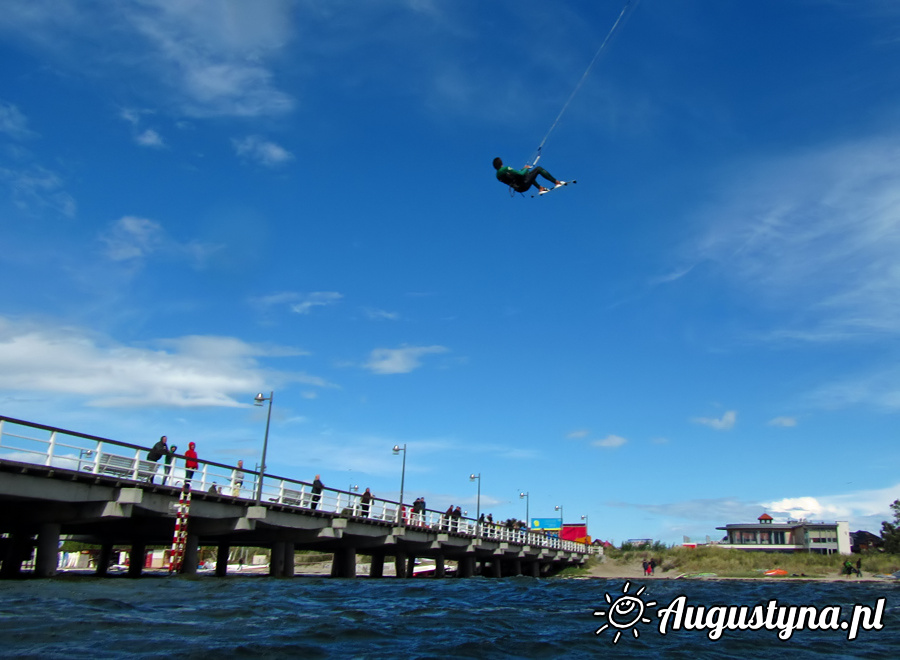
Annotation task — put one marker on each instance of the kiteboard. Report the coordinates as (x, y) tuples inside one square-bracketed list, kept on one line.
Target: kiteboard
[(562, 184)]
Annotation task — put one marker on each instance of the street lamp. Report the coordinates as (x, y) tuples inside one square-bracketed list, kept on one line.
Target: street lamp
[(258, 401), (562, 516), (527, 498), (397, 449), (473, 477)]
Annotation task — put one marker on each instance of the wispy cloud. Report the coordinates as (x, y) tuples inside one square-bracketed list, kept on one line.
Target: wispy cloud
[(610, 442), (723, 423), (262, 151), (132, 239), (37, 188), (815, 234), (181, 372), (203, 58), (400, 360), (380, 314), (786, 422), (13, 123), (316, 299)]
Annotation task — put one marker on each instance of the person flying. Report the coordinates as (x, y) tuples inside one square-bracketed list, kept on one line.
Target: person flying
[(522, 180)]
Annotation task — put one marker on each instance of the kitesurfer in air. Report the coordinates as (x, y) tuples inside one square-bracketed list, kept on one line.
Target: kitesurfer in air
[(522, 180)]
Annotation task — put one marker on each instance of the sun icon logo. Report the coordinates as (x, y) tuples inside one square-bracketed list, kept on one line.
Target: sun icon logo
[(624, 612)]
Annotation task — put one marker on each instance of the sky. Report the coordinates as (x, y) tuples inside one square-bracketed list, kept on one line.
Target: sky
[(204, 200)]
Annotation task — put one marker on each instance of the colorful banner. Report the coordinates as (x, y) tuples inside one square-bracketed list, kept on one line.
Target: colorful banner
[(577, 533), (545, 523)]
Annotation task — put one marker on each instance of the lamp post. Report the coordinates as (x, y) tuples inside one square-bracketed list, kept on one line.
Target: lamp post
[(473, 477), (397, 449), (258, 401), (527, 498), (562, 516)]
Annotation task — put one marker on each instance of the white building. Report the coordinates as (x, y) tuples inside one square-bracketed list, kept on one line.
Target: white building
[(791, 536)]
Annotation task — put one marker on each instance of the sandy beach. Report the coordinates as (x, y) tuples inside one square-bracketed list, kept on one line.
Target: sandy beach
[(613, 570)]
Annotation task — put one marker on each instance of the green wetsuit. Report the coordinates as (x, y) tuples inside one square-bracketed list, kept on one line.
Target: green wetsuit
[(522, 180)]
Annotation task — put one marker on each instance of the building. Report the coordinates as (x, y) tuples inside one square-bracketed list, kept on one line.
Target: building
[(791, 536)]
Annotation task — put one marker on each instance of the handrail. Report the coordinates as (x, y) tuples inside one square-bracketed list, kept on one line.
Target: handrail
[(104, 457)]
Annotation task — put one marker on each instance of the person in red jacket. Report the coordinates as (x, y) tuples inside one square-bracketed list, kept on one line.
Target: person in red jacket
[(190, 462)]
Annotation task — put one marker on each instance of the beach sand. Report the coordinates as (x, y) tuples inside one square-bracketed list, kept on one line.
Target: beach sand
[(616, 571)]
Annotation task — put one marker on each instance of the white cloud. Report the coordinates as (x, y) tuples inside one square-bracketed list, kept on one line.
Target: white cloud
[(182, 372), (315, 299), (723, 423), (262, 151), (577, 434), (787, 422), (863, 508), (150, 138), (610, 442), (400, 360)]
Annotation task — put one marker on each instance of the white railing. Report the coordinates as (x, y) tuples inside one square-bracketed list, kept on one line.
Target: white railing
[(37, 444)]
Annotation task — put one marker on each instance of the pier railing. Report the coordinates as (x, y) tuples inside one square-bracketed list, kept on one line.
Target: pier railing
[(39, 444)]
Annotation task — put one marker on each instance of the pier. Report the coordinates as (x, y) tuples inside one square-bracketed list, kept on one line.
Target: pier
[(57, 484)]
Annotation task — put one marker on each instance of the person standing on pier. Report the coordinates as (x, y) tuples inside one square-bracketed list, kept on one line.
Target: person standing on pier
[(237, 479), (170, 463), (316, 492), (190, 462), (365, 503), (156, 452)]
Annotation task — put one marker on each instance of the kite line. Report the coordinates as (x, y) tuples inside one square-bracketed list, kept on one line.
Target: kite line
[(629, 5)]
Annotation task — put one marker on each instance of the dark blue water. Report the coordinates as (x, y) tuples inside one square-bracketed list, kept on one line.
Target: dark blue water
[(261, 617)]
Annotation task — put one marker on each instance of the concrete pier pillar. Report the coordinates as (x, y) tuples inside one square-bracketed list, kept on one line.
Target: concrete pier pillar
[(191, 555), (344, 563), (515, 567), (287, 566), (104, 558), (534, 569), (400, 564), (376, 568), (136, 558), (411, 566), (497, 567), (466, 566), (222, 553), (17, 549), (276, 559), (47, 550), (439, 570)]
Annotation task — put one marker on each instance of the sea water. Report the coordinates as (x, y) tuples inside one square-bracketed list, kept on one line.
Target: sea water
[(302, 617)]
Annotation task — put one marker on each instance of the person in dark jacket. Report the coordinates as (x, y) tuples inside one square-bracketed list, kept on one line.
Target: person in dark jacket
[(365, 503), (156, 452), (170, 463), (316, 492)]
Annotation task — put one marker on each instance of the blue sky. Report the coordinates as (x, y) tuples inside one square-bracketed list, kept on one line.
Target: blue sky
[(204, 200)]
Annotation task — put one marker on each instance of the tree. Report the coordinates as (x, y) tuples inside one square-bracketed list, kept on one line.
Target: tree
[(890, 532)]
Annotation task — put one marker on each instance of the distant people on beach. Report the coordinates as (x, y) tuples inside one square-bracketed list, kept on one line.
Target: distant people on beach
[(156, 452), (237, 479), (190, 462), (316, 492)]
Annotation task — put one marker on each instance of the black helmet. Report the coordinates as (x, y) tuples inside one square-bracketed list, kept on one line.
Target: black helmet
[(498, 163)]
